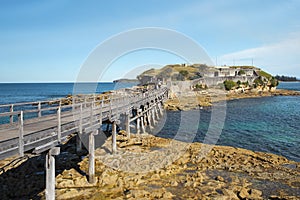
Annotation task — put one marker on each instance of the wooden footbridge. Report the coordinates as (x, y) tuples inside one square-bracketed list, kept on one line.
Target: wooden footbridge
[(37, 127)]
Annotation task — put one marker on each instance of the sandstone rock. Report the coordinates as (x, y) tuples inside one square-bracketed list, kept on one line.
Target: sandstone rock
[(219, 178), (139, 193), (69, 194), (167, 195), (229, 193), (155, 177), (243, 194), (255, 194), (174, 183), (108, 179), (65, 183)]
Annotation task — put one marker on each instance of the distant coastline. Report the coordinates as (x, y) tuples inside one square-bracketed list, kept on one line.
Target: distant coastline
[(124, 80)]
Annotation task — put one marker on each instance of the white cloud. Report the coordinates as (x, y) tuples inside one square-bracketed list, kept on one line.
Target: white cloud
[(282, 57)]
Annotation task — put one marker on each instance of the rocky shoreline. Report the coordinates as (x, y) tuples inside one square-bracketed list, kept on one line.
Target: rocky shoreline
[(189, 100), (224, 173), (149, 167)]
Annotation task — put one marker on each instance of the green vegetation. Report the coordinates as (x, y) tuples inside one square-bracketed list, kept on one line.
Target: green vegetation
[(265, 74), (241, 72), (229, 84), (200, 87), (274, 82), (243, 67), (258, 82), (184, 73)]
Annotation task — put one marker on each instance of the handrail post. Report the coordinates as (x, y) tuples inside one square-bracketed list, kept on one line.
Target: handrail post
[(39, 109), (128, 125), (91, 115), (138, 122), (59, 124), (11, 109), (101, 114), (85, 101), (21, 134), (110, 107), (94, 100), (114, 137), (80, 119), (78, 138)]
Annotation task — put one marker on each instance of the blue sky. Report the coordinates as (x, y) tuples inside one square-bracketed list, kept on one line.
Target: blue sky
[(48, 41)]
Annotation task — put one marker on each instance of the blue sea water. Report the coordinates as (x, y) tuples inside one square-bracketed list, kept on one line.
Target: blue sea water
[(268, 124), (31, 92)]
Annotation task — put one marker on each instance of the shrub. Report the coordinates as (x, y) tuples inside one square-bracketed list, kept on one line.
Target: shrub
[(274, 82), (258, 82), (241, 72), (184, 73), (229, 84)]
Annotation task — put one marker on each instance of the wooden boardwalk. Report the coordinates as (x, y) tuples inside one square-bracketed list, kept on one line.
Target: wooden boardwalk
[(42, 132)]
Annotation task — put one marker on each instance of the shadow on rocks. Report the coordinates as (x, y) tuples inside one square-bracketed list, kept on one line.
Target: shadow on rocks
[(28, 179)]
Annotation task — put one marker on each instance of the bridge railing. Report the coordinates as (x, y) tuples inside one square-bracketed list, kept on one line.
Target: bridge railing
[(42, 108), (65, 119)]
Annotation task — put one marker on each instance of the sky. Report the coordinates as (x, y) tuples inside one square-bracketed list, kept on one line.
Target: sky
[(50, 41)]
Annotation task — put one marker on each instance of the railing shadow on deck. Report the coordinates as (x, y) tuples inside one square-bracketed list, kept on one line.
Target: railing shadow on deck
[(28, 180)]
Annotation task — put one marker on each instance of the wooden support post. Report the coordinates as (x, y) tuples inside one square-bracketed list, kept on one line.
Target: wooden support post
[(156, 113), (11, 109), (92, 156), (128, 125), (153, 116), (39, 109), (138, 125), (160, 109), (149, 119), (145, 116), (78, 143), (114, 137), (142, 125), (50, 173), (59, 124), (21, 134)]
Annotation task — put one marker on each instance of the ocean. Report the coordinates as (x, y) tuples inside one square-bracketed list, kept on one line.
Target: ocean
[(31, 92), (268, 124)]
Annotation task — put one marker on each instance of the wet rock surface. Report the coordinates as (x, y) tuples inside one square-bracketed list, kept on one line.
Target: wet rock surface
[(222, 173), (149, 167)]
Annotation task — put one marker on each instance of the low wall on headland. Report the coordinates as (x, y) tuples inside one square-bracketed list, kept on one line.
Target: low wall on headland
[(209, 81)]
